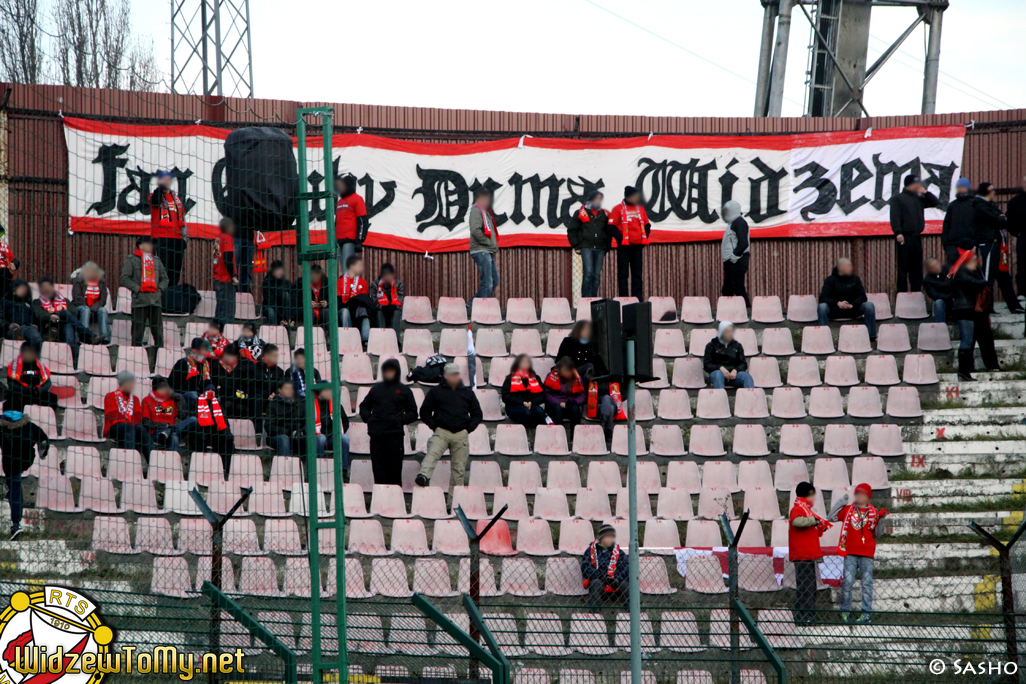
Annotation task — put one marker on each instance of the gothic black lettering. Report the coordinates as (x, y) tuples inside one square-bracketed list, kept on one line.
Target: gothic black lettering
[(895, 172), (941, 177), (110, 160), (217, 186), (491, 185), (849, 183), (697, 197), (827, 191), (182, 179), (652, 183), (375, 208), (579, 190), (771, 179), (317, 210), (446, 198), (727, 181), (139, 185)]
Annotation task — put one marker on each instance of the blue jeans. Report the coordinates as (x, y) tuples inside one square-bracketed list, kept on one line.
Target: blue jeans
[(85, 316), (867, 312), (591, 266), (864, 566), (719, 381), (489, 273), (345, 250), (345, 319), (15, 498), (244, 250), (940, 311), (173, 433), (282, 444), (528, 417), (966, 329), (30, 333), (132, 437), (344, 448)]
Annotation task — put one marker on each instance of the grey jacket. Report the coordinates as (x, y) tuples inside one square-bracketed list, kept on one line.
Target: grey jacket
[(131, 277), (479, 242)]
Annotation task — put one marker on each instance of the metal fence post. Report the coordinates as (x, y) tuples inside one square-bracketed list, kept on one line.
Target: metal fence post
[(1007, 591), (735, 623), (634, 563)]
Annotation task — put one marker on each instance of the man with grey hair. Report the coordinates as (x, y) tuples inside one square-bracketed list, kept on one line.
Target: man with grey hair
[(843, 297), (122, 417), (735, 250), (452, 411)]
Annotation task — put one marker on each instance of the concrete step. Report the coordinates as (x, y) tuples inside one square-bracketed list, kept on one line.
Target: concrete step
[(981, 433), (942, 492), (908, 526)]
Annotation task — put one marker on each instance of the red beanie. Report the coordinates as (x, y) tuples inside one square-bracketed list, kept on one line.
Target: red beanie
[(865, 489)]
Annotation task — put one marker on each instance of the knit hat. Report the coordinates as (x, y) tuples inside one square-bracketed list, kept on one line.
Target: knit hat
[(722, 329), (963, 182), (911, 179), (629, 190), (200, 344), (731, 210), (125, 376), (984, 188), (451, 369), (163, 174), (606, 529), (864, 489), (590, 197)]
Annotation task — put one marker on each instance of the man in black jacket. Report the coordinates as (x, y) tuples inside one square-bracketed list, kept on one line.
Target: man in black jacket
[(19, 323), (279, 293), (28, 381), (591, 236), (989, 226), (843, 297), (735, 250), (724, 360), (1016, 214), (267, 377), (908, 221), (233, 379), (452, 411), (190, 376), (958, 220), (937, 287), (286, 422), (387, 409), (20, 438)]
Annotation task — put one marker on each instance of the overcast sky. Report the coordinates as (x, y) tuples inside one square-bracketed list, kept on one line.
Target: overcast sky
[(647, 57)]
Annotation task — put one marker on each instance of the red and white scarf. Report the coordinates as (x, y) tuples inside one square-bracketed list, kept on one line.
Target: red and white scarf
[(555, 383), (856, 520), (614, 558), (614, 394), (92, 292), (350, 286), (58, 303), (388, 299), (14, 372), (217, 344), (165, 207), (487, 222), (516, 383), (806, 511), (317, 415), (6, 255), (209, 411), (627, 213), (197, 368), (148, 281), (126, 405)]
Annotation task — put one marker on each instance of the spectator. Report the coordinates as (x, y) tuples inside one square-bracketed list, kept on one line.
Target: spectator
[(579, 347), (28, 381), (591, 236), (212, 430), (989, 233), (735, 250), (226, 281), (970, 303), (144, 275), (216, 339), (958, 220), (858, 546), (122, 417), (89, 296), (20, 440), (803, 534), (20, 322), (167, 228), (907, 222), (267, 377), (160, 411), (1015, 211), (843, 296), (387, 409), (355, 304), (191, 376), (937, 287), (605, 570), (484, 243), (632, 232), (55, 320), (389, 296), (523, 394), (279, 303), (233, 381), (564, 393), (351, 223), (251, 346), (286, 423), (323, 417), (8, 265), (297, 374), (452, 412), (318, 296), (724, 360)]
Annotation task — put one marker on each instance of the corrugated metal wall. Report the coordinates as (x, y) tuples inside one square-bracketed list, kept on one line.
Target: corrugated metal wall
[(38, 171)]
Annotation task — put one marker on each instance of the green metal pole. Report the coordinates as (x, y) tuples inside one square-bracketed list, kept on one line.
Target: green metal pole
[(632, 497)]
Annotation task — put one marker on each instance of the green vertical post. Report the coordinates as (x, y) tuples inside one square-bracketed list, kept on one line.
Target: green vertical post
[(634, 562)]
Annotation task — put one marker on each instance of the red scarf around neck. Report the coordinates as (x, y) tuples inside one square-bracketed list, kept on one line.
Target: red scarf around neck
[(217, 344), (196, 368), (209, 412), (520, 377), (858, 521), (806, 510), (92, 292), (14, 372), (58, 303), (126, 406), (614, 559), (317, 415), (388, 299), (148, 281), (488, 222), (627, 214), (555, 383)]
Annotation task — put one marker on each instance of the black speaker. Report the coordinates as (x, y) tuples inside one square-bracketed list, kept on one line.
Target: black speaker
[(607, 336), (261, 180), (637, 325)]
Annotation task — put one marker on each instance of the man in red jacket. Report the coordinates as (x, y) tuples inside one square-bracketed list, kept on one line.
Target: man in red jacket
[(122, 417), (857, 544), (804, 531), (350, 218), (167, 226), (631, 221)]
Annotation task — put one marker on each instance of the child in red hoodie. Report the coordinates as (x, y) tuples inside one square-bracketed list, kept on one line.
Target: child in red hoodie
[(804, 531), (858, 546)]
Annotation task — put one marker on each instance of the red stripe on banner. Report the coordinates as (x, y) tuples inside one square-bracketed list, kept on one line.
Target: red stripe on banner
[(145, 130)]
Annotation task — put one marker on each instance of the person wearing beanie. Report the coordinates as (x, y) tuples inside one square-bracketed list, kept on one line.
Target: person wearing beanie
[(805, 527), (484, 243), (122, 417), (1015, 211), (28, 381), (168, 229), (605, 571), (989, 233), (958, 220), (233, 378), (970, 303), (908, 220), (452, 411), (387, 409), (351, 222), (160, 411), (388, 291), (19, 323), (843, 297), (630, 221), (278, 297), (724, 360), (857, 544), (591, 237), (190, 376), (735, 250), (146, 278)]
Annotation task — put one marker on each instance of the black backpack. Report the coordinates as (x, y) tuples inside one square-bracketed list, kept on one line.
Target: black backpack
[(430, 373), (181, 299)]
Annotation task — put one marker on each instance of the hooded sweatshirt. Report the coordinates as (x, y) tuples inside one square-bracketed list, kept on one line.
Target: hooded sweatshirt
[(18, 310), (18, 440), (735, 242), (389, 406), (958, 220), (721, 354)]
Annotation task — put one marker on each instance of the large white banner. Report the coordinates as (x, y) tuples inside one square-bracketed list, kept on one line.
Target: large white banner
[(418, 194)]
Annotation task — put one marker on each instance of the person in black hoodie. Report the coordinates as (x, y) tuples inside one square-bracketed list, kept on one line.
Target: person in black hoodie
[(286, 422), (969, 306), (591, 236), (1015, 212), (19, 323), (20, 439), (232, 376), (908, 220), (735, 251), (55, 319), (843, 297), (267, 377), (191, 376), (28, 381), (387, 409), (937, 287), (279, 294), (724, 360), (989, 233), (579, 347), (523, 394), (452, 412), (958, 220)]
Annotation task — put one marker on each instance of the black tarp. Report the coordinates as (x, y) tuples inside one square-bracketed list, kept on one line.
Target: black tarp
[(261, 180)]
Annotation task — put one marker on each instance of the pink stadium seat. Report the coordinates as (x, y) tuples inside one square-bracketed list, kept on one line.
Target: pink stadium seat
[(194, 536), (817, 340), (484, 311), (622, 638), (593, 504), (854, 339), (664, 310), (554, 338), (98, 390), (893, 339), (755, 573), (620, 440), (703, 533), (366, 537), (82, 462), (282, 537), (497, 541), (44, 417), (471, 500), (761, 504), (920, 369), (604, 475), (767, 310), (556, 311), (428, 503), (624, 301), (431, 578), (788, 403), (712, 404), (796, 440), (678, 632), (826, 402), (841, 371), (153, 535), (696, 311), (789, 472), (297, 583), (714, 502), (111, 535), (765, 371), (80, 425), (166, 359), (418, 342), (748, 403), (485, 474), (521, 311), (138, 496), (240, 538), (96, 361), (584, 308), (882, 302), (417, 310), (513, 497), (670, 342), (498, 370), (841, 440), (752, 534), (453, 310), (667, 440), (750, 440), (409, 538), (830, 474), (749, 341), (705, 576), (124, 301), (165, 466), (661, 537), (575, 535), (403, 367), (551, 504), (802, 308), (525, 475), (388, 578), (359, 439), (491, 407), (884, 440), (267, 500), (777, 342), (550, 440), (382, 342), (719, 474), (564, 475), (520, 577), (706, 440), (356, 369), (700, 337), (526, 341), (870, 469), (57, 357), (388, 501), (803, 371), (902, 402), (489, 342), (674, 405), (731, 309), (882, 370), (544, 635), (910, 305), (259, 577), (205, 468), (688, 373), (123, 465), (754, 474), (461, 361), (933, 337), (864, 402), (170, 577), (562, 578), (623, 506), (674, 504), (588, 440), (245, 307), (450, 539)]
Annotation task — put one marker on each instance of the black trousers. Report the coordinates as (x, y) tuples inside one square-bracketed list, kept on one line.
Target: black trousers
[(734, 278), (805, 592), (386, 453), (172, 254), (951, 254), (629, 272), (598, 597), (223, 442), (1020, 263), (18, 397), (910, 263), (147, 317), (983, 337)]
